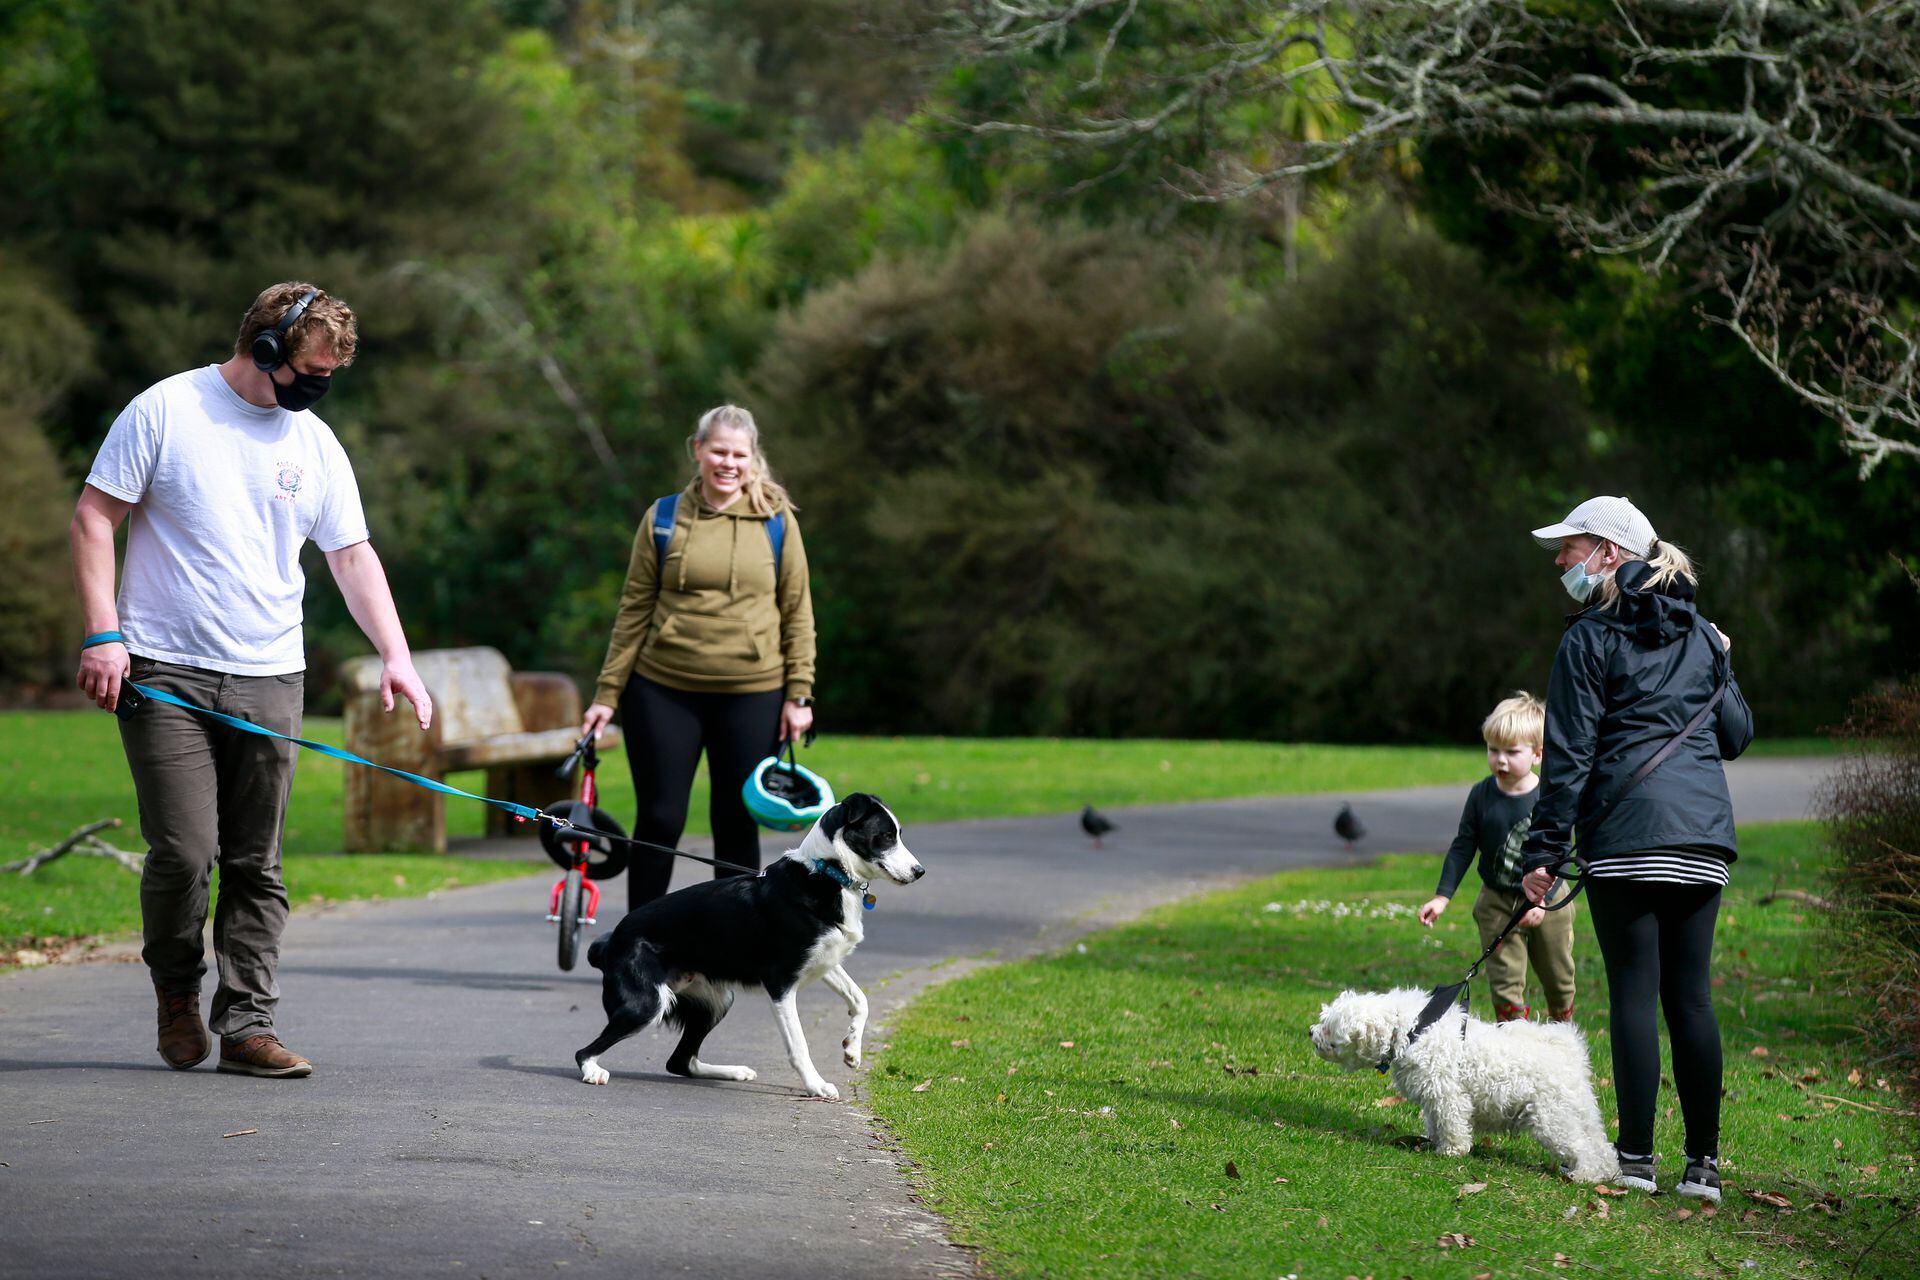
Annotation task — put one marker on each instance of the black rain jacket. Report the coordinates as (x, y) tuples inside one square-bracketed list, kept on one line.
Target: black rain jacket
[(1625, 680)]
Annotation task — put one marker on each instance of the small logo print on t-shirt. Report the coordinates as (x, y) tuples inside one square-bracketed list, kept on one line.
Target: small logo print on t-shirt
[(288, 477)]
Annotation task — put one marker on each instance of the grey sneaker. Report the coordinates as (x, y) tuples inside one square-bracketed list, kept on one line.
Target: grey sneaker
[(1702, 1179), (1637, 1172)]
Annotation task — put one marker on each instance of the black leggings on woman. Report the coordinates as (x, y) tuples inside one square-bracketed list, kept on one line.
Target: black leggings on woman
[(1657, 941), (665, 730)]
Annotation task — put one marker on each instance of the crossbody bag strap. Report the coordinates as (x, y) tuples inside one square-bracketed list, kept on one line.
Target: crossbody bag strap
[(1672, 745)]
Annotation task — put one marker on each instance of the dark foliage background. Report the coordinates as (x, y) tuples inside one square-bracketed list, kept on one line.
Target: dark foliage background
[(1072, 455)]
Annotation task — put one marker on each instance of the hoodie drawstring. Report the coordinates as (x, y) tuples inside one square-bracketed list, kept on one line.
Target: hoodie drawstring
[(733, 560), (733, 551)]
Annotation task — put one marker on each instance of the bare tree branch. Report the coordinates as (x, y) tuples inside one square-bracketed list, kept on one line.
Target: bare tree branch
[(1765, 148)]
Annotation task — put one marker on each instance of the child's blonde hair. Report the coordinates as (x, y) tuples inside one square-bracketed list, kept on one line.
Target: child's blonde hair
[(1517, 721)]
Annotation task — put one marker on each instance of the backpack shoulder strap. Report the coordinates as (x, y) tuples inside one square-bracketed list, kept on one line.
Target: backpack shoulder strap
[(663, 513), (777, 535)]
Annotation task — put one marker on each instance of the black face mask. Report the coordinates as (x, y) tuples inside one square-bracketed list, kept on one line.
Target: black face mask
[(303, 392)]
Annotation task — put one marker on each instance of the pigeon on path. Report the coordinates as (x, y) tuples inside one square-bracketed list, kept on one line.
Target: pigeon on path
[(1348, 827), (1095, 824)]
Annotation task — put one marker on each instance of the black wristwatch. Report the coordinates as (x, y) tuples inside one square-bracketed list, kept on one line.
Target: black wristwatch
[(804, 700)]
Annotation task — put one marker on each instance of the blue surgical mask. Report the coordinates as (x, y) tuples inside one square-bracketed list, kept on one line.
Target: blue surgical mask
[(1578, 582)]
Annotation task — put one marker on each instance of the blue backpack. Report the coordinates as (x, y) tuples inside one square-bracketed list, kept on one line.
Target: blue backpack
[(666, 508)]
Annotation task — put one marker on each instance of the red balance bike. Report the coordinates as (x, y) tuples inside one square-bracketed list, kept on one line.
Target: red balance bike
[(582, 850)]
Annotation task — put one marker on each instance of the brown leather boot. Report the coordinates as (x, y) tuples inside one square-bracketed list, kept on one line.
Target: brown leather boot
[(262, 1055), (184, 1042)]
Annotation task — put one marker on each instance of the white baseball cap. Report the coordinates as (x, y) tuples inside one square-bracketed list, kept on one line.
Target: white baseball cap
[(1615, 519)]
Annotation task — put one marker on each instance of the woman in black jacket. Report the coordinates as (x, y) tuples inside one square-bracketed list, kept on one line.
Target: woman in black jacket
[(1633, 670)]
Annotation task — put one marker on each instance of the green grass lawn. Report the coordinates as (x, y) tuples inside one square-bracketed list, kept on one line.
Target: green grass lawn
[(65, 769), (1147, 1104)]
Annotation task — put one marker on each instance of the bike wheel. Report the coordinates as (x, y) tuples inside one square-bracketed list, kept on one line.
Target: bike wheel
[(572, 918)]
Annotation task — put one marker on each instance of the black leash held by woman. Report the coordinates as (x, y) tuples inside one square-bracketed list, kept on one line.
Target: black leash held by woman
[(1446, 996)]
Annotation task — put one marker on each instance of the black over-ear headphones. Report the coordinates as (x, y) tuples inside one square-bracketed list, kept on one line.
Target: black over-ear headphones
[(270, 345)]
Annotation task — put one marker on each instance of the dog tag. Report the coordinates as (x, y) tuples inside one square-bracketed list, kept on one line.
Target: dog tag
[(868, 900)]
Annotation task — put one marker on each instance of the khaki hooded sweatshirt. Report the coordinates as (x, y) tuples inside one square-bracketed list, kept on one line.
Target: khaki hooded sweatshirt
[(709, 617)]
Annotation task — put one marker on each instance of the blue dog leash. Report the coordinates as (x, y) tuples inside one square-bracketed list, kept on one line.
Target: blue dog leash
[(161, 695), (524, 812)]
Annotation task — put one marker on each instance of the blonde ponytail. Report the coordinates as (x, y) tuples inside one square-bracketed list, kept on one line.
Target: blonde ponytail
[(1668, 562)]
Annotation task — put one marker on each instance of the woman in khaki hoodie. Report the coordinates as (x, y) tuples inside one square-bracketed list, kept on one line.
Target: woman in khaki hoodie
[(712, 648)]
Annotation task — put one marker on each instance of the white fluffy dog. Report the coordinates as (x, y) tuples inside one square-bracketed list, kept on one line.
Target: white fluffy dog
[(1531, 1076)]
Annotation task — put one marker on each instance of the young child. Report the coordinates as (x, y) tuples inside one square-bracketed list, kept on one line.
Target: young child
[(1494, 823)]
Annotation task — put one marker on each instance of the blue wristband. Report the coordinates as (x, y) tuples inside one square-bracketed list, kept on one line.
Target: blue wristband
[(103, 637)]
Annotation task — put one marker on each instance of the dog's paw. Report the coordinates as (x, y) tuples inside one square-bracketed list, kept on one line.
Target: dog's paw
[(592, 1072), (824, 1091), (850, 1051)]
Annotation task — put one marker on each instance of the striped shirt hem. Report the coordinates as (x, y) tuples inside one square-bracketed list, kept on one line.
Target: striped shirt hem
[(1669, 866)]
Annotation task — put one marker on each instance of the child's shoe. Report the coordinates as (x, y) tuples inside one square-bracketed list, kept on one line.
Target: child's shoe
[(1702, 1179)]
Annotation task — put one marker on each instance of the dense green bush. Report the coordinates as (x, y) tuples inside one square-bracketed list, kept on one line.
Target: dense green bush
[(1061, 481)]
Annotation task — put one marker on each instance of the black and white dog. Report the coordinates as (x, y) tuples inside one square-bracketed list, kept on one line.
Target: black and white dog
[(682, 957)]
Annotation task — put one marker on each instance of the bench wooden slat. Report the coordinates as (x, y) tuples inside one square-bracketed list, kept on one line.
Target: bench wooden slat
[(511, 748)]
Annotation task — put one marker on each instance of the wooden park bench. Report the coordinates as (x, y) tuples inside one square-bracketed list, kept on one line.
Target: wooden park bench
[(517, 725)]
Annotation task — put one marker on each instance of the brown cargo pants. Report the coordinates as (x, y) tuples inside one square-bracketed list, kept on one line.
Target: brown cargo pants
[(1548, 946), (211, 794)]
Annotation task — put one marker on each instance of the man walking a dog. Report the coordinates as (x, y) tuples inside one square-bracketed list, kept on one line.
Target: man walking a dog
[(225, 473)]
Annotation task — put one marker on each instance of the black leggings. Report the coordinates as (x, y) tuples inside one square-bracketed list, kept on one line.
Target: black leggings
[(1657, 941), (665, 730)]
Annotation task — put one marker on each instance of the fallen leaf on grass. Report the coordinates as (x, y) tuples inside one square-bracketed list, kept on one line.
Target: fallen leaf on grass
[(958, 1044), (1869, 1170), (1455, 1240), (1233, 1170), (1708, 1211), (239, 1133), (1279, 1179), (1176, 1124), (1773, 1198), (1472, 1188), (1683, 1215), (1216, 1208), (1761, 1051), (924, 1085), (1854, 1076), (1611, 1191), (1561, 1260), (1391, 1100), (1066, 1044)]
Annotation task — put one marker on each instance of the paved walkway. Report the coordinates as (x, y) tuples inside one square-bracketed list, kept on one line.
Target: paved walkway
[(445, 1132)]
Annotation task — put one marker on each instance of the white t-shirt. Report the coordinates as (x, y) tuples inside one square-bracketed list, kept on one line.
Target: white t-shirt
[(226, 494)]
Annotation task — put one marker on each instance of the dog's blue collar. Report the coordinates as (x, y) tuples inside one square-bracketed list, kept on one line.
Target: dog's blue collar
[(836, 873)]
